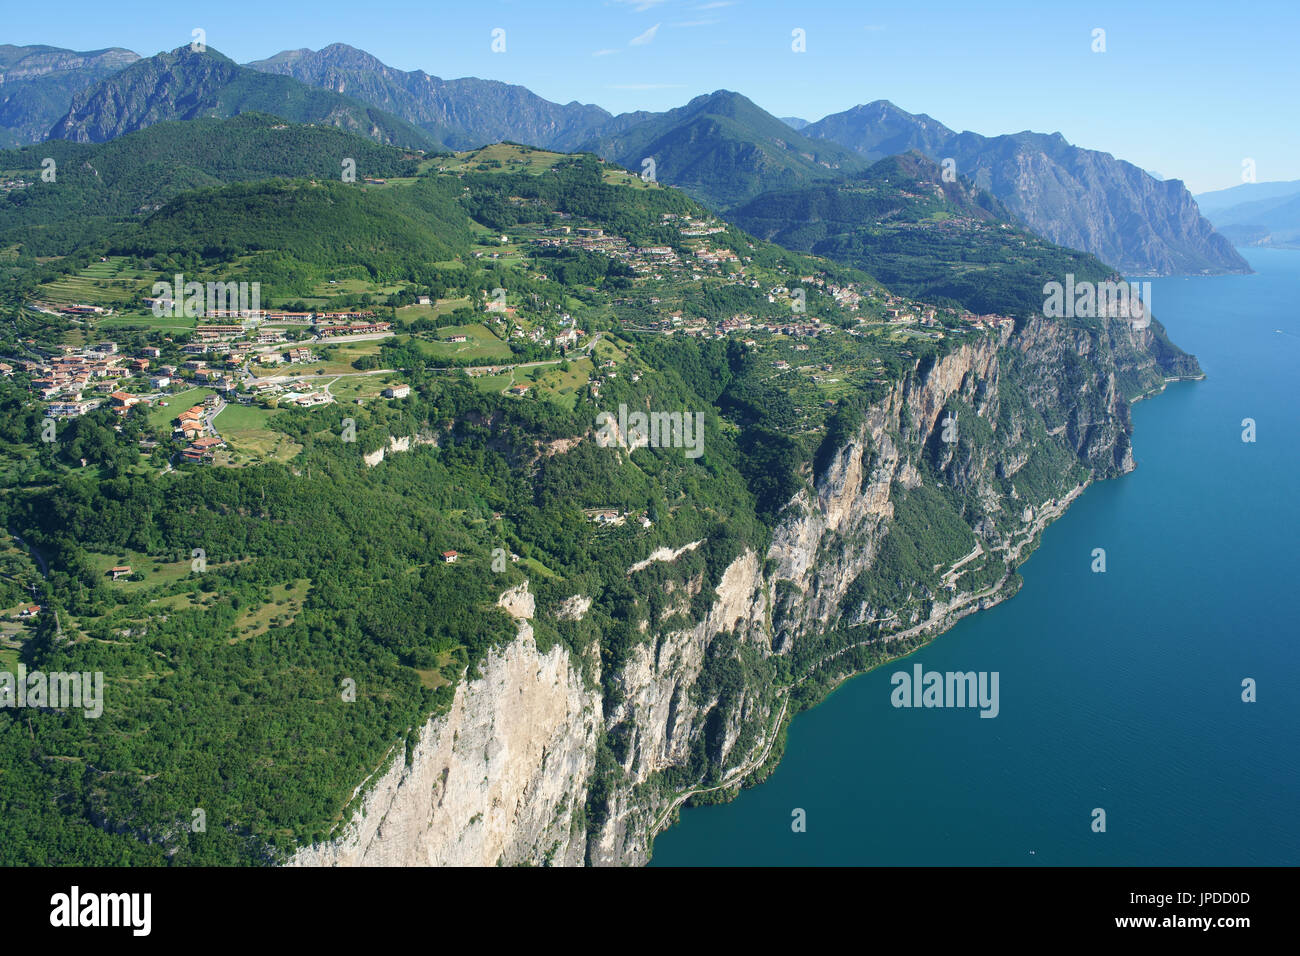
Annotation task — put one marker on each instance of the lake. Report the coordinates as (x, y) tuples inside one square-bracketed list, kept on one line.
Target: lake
[(1120, 691)]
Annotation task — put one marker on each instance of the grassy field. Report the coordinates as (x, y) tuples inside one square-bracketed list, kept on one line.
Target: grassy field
[(409, 313), (481, 345), (350, 388), (160, 418), (246, 430), (147, 321), (100, 283), (511, 158), (279, 611), (556, 384), (491, 383), (155, 572), (343, 355)]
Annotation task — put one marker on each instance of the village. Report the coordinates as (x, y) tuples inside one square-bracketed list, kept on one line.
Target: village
[(216, 365)]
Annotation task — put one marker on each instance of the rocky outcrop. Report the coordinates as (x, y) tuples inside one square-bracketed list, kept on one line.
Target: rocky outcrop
[(499, 779)]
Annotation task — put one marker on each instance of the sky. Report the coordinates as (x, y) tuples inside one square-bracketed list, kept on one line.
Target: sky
[(1188, 90)]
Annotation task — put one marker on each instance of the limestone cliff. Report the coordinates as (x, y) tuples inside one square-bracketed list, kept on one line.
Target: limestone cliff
[(534, 764)]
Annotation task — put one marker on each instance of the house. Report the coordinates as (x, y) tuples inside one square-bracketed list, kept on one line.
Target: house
[(397, 391), (151, 351), (449, 557), (207, 444), (120, 571), (459, 338), (159, 381), (68, 409), (519, 390), (30, 611), (423, 300)]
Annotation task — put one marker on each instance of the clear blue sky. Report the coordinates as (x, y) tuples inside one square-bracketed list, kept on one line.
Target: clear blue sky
[(1187, 89)]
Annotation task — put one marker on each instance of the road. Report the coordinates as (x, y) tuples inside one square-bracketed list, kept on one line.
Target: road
[(732, 779)]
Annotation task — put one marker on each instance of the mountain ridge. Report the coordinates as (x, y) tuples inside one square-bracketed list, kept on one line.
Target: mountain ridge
[(1081, 198), (188, 84), (37, 84)]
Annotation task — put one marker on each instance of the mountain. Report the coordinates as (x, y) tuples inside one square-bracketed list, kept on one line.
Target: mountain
[(794, 122), (1075, 197), (1256, 214), (185, 84), (37, 83), (1219, 199), (101, 186), (944, 242), (722, 149), (463, 113)]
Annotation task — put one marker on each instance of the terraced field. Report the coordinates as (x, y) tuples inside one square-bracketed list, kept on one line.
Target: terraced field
[(109, 283)]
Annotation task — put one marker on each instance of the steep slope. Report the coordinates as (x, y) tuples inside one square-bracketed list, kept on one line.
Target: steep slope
[(37, 84), (1075, 197), (722, 149), (185, 84), (945, 242), (462, 113)]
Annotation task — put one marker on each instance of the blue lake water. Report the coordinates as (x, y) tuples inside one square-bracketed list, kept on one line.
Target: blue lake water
[(1120, 691)]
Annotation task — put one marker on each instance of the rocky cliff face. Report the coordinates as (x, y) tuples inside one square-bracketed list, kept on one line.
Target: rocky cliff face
[(1075, 197), (188, 84), (38, 82), (532, 766), (500, 779)]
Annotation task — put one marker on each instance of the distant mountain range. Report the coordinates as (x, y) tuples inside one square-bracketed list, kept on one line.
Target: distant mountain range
[(1080, 198), (185, 85), (462, 114), (38, 82), (1256, 214), (720, 147)]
